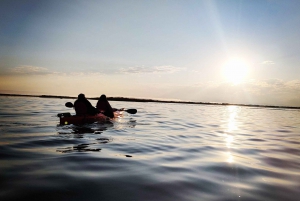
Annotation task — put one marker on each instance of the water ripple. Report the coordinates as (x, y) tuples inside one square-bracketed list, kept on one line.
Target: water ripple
[(164, 152)]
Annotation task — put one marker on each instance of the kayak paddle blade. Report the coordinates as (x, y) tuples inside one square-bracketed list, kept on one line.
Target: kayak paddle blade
[(69, 104), (131, 111)]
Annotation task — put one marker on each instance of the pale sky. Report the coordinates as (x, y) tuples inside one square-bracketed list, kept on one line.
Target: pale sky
[(234, 51)]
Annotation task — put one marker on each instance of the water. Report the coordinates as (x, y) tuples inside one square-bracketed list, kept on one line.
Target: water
[(164, 152)]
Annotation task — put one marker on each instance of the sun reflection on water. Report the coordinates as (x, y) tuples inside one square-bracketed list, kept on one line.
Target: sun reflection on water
[(230, 127), (232, 112), (228, 140), (230, 158)]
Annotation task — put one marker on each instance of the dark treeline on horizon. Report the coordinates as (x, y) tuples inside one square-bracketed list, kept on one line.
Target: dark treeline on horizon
[(151, 100)]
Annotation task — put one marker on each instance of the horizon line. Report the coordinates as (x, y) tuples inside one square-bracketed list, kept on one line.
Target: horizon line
[(126, 99)]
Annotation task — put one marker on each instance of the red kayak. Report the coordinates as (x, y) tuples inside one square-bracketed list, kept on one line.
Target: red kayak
[(67, 118)]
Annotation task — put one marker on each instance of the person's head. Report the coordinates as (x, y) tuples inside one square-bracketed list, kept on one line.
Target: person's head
[(102, 97), (81, 97)]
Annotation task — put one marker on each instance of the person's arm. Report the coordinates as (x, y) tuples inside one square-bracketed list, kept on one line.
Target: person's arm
[(91, 109), (110, 111)]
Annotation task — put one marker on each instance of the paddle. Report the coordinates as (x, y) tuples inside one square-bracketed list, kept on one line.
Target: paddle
[(130, 111), (69, 104)]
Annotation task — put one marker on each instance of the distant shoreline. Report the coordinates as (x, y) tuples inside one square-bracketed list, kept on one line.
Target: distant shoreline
[(151, 100)]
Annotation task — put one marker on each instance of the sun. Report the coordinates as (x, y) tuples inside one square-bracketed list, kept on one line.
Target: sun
[(235, 70)]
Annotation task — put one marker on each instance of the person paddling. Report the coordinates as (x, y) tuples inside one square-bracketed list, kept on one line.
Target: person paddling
[(104, 107), (83, 106)]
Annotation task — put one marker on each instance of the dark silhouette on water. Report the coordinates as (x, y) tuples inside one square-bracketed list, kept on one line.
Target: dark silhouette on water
[(104, 107), (83, 107)]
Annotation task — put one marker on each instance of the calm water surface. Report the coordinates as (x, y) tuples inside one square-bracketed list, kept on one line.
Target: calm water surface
[(164, 152)]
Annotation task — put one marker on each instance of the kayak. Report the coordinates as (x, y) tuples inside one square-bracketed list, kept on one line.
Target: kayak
[(67, 118)]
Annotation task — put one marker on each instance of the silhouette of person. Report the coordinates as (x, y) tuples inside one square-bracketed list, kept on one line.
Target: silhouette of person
[(104, 107), (83, 106)]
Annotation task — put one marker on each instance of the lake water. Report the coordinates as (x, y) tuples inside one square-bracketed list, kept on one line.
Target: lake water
[(164, 152)]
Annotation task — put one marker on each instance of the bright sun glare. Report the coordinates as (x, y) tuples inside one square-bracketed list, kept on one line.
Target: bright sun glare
[(235, 70)]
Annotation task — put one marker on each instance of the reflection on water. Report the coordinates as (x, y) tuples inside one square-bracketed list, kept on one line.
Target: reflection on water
[(232, 112), (231, 115), (230, 158), (80, 147), (229, 140), (164, 152), (83, 131)]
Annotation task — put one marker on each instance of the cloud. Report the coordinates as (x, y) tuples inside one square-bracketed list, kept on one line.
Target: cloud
[(154, 69), (30, 70), (268, 63), (35, 70), (276, 91), (274, 85), (261, 92), (84, 74)]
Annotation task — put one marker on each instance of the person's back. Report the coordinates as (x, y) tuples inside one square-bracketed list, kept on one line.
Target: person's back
[(83, 106), (104, 107), (80, 108)]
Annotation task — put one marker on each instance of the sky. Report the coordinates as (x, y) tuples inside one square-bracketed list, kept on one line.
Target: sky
[(229, 51)]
